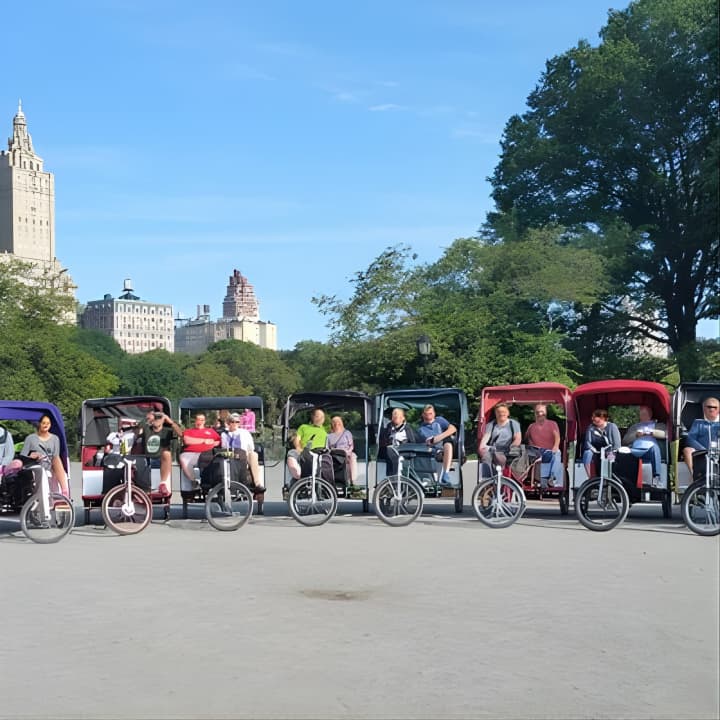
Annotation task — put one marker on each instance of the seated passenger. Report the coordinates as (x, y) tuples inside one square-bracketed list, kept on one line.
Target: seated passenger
[(435, 430), (247, 420), (341, 439), (157, 440), (642, 438), (44, 447), (8, 464), (196, 440), (313, 432), (396, 432), (122, 440), (235, 438), (600, 433), (544, 435), (293, 457), (500, 435), (703, 431)]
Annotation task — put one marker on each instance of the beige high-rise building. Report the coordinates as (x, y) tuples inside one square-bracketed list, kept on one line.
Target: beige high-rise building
[(137, 326), (27, 209), (240, 321)]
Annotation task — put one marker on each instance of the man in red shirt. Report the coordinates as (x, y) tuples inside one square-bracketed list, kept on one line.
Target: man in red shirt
[(544, 434), (196, 440)]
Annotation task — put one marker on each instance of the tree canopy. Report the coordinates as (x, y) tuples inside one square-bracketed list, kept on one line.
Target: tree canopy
[(623, 139)]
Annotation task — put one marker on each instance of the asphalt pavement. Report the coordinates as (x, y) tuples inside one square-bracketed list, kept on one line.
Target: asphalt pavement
[(442, 619)]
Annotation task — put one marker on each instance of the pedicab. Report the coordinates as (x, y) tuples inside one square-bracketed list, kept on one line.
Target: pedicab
[(105, 472), (536, 472), (623, 478), (399, 498), (29, 490), (699, 491), (218, 476), (327, 475)]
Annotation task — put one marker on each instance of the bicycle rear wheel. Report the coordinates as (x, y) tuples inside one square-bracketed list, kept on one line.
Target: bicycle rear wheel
[(498, 505), (231, 509), (312, 501), (51, 527), (700, 508), (398, 501), (601, 512), (124, 517)]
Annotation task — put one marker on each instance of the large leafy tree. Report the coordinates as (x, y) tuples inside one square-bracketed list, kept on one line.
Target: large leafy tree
[(622, 138)]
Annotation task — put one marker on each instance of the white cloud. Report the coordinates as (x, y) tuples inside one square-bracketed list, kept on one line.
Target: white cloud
[(385, 107)]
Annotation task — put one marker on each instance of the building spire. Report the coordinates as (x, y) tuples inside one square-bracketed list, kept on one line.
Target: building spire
[(20, 144)]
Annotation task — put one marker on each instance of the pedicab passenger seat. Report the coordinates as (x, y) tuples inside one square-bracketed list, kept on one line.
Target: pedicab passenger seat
[(421, 458)]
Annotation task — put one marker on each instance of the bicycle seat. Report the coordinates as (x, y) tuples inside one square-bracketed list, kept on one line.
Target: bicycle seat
[(409, 450)]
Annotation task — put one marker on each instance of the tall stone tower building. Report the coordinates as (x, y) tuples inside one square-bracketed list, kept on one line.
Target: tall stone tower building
[(240, 301), (27, 199)]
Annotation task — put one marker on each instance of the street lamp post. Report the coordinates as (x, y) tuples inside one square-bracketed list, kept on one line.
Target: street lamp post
[(424, 349)]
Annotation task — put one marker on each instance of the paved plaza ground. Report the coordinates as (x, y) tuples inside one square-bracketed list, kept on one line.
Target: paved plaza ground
[(441, 619)]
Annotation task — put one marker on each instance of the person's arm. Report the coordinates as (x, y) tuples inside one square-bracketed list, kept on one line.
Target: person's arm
[(631, 435), (485, 438), (556, 438), (614, 435), (693, 439), (448, 429), (660, 431)]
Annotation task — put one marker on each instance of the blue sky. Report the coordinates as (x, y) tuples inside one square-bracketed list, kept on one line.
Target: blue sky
[(294, 141)]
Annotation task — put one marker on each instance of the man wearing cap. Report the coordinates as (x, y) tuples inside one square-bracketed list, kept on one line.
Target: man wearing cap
[(237, 438)]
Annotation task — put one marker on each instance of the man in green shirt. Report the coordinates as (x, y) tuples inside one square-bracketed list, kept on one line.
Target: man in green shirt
[(313, 432)]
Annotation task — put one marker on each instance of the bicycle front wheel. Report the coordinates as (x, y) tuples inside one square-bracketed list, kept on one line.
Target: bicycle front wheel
[(228, 509), (312, 501), (48, 524), (127, 513), (498, 504), (601, 511), (398, 500), (700, 508)]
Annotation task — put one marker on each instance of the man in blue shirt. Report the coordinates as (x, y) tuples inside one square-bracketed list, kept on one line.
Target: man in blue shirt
[(703, 431), (438, 432)]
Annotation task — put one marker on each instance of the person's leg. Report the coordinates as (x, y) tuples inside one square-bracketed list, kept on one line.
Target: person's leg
[(352, 468), (254, 465), (391, 461), (60, 476), (653, 456), (688, 457), (188, 463), (165, 486), (588, 459), (557, 469), (447, 452)]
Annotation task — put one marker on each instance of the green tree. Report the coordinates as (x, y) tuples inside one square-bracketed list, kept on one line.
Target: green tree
[(260, 369), (156, 372), (625, 135)]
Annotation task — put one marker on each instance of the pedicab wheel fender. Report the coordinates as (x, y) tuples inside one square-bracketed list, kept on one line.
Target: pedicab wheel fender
[(564, 503), (582, 500), (27, 531), (139, 497), (685, 511)]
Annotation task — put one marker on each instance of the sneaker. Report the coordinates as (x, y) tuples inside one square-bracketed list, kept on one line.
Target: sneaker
[(446, 481)]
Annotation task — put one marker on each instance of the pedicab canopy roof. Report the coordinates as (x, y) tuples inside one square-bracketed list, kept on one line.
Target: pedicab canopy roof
[(687, 403), (526, 394), (233, 404), (31, 411), (101, 416), (331, 401), (451, 403), (604, 393)]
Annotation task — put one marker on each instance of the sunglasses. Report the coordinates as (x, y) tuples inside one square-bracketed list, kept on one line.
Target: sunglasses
[(711, 407)]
